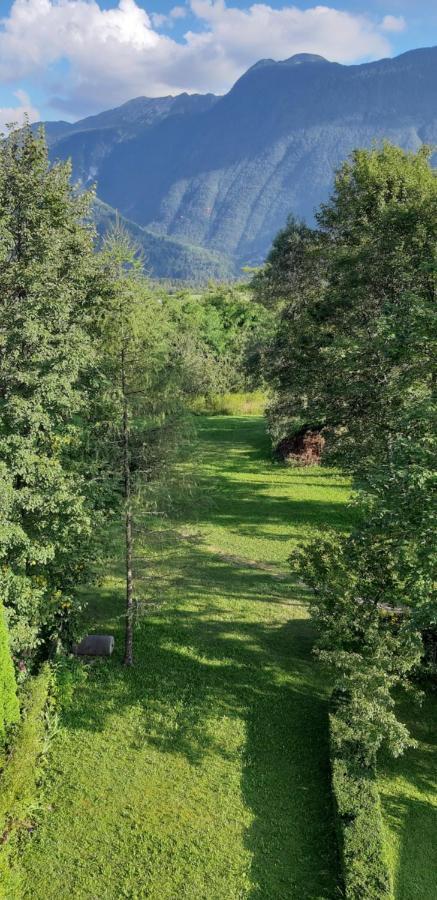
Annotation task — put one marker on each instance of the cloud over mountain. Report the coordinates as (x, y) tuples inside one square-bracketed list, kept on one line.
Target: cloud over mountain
[(18, 114), (125, 51)]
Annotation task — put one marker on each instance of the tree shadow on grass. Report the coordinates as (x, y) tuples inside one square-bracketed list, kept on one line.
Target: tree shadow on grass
[(236, 506), (410, 809), (195, 667), (286, 784), (415, 822), (208, 657), (252, 437)]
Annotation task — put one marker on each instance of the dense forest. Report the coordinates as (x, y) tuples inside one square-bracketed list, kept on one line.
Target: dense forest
[(104, 376)]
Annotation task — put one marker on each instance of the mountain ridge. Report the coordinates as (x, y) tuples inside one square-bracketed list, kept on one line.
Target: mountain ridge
[(223, 173)]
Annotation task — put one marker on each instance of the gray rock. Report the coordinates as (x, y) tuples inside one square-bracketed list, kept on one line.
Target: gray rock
[(95, 645)]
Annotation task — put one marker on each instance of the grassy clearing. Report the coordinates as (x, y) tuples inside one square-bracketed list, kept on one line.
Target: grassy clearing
[(203, 772), (242, 403)]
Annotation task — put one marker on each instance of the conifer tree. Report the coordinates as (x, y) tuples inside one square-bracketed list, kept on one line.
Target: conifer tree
[(140, 400), (45, 259)]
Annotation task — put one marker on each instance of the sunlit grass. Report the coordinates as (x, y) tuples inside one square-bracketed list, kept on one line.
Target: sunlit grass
[(408, 789), (202, 773), (236, 403)]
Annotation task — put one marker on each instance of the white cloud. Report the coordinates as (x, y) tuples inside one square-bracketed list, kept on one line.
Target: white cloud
[(17, 114), (159, 20), (178, 12), (393, 24), (247, 35), (117, 54)]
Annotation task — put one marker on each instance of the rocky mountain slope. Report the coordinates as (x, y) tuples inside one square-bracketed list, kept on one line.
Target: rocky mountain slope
[(224, 173)]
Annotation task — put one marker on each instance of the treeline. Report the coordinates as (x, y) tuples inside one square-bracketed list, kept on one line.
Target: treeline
[(97, 370), (354, 358), (99, 373)]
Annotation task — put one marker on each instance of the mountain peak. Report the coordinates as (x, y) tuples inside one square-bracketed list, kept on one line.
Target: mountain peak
[(299, 58), (295, 60), (224, 173)]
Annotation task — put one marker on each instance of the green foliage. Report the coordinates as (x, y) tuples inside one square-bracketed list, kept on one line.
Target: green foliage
[(45, 283), (166, 257), (144, 361), (68, 317), (147, 370), (370, 652), (355, 351), (290, 270), (9, 707), (21, 773), (356, 340), (359, 824), (291, 282), (230, 328)]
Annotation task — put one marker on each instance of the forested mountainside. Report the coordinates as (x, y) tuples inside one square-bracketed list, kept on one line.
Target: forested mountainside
[(224, 173), (166, 257)]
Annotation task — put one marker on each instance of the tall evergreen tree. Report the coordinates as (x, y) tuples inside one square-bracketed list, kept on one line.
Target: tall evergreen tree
[(143, 382), (45, 259)]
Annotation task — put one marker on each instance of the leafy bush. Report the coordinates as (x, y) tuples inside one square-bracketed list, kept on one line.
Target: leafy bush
[(9, 708), (359, 823), (232, 404), (20, 776)]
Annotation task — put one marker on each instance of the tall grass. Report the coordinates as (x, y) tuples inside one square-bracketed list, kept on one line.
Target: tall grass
[(241, 403)]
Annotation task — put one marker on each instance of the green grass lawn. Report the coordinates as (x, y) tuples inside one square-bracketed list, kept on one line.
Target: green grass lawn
[(202, 773), (408, 788)]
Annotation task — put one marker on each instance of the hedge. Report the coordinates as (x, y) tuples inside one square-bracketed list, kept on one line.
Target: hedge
[(20, 776), (9, 707), (359, 825)]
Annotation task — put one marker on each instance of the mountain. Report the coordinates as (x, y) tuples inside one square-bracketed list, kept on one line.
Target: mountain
[(165, 257), (223, 173)]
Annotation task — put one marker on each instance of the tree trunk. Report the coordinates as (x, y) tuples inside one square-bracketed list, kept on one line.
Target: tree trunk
[(128, 647)]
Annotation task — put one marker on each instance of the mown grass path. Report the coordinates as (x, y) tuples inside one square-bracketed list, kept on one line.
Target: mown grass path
[(202, 773)]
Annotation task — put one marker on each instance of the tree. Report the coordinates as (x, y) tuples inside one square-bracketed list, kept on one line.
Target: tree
[(356, 353), (143, 382), (228, 328), (291, 268), (292, 283), (336, 359), (45, 262)]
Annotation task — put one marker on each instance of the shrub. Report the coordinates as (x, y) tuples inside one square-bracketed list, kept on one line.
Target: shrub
[(9, 708), (359, 824), (20, 776)]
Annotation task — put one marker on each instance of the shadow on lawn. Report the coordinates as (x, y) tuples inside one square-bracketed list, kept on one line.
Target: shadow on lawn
[(411, 810), (202, 661), (244, 506), (248, 505), (194, 667)]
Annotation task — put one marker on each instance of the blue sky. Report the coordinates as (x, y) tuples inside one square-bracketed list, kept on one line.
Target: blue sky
[(70, 58)]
